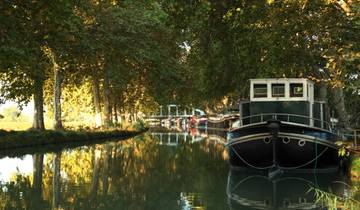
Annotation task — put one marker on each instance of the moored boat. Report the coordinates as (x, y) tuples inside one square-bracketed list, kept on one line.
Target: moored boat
[(283, 127), (223, 121)]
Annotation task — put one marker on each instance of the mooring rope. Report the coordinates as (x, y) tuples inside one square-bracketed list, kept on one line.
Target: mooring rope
[(315, 166), (315, 159), (287, 168), (247, 163)]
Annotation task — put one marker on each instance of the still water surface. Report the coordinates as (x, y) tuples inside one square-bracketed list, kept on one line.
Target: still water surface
[(182, 171)]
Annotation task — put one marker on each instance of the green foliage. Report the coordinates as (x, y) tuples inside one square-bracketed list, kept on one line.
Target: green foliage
[(160, 52), (13, 114), (332, 201), (12, 192), (231, 42), (140, 125)]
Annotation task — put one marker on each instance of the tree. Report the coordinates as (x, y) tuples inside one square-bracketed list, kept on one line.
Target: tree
[(230, 42)]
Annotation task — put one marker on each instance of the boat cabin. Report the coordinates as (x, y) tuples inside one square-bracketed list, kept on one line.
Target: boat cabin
[(282, 89), (285, 99)]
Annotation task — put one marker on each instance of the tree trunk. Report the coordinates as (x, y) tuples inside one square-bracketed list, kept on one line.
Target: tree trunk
[(38, 121), (116, 120), (56, 181), (122, 116), (339, 103), (323, 97), (58, 77), (323, 91), (107, 106), (96, 95)]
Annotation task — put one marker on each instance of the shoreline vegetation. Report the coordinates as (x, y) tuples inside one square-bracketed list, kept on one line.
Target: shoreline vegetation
[(352, 200), (57, 139)]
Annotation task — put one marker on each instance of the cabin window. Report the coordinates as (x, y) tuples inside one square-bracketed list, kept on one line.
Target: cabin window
[(278, 90), (260, 90), (296, 90)]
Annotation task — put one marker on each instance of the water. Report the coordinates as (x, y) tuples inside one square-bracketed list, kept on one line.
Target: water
[(153, 171)]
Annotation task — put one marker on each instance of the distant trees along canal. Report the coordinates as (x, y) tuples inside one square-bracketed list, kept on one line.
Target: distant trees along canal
[(96, 61)]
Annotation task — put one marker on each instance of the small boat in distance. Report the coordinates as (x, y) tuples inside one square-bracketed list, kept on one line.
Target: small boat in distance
[(222, 122), (283, 127)]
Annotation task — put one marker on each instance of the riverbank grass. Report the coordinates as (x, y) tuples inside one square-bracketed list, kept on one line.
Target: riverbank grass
[(33, 138)]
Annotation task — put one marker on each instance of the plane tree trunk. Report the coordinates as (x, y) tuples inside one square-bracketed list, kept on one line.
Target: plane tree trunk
[(96, 96), (339, 104), (107, 105), (58, 77), (38, 96)]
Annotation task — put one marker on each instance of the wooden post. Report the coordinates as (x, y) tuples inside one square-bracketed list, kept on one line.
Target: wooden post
[(355, 138)]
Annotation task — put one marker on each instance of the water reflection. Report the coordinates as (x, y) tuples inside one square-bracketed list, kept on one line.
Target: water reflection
[(192, 136), (181, 170), (174, 139), (291, 191)]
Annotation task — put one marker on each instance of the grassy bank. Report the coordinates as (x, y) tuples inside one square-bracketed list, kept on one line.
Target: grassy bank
[(33, 138)]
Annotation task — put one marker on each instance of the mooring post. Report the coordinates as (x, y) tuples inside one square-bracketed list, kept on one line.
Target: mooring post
[(185, 136), (161, 110), (274, 126), (355, 138)]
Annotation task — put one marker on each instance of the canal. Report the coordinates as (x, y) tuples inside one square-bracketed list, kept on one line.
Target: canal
[(156, 170)]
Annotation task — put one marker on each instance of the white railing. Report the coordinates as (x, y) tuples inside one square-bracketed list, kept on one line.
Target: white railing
[(292, 118)]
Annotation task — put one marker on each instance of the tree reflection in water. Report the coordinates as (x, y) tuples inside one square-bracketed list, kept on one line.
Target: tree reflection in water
[(134, 174), (137, 174)]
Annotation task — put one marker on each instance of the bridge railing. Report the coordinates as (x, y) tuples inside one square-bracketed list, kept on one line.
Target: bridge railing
[(172, 111)]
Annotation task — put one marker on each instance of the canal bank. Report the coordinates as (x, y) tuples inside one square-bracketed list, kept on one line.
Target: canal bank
[(10, 140)]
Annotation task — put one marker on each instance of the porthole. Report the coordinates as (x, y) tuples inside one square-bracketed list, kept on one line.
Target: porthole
[(301, 143), (267, 140), (286, 140)]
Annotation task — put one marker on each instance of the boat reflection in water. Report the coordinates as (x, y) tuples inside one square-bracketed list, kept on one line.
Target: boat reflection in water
[(175, 138), (192, 135), (291, 191)]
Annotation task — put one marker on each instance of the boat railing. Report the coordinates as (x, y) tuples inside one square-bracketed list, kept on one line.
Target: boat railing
[(291, 118)]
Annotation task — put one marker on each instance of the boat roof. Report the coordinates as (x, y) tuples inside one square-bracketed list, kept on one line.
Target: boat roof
[(272, 80)]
